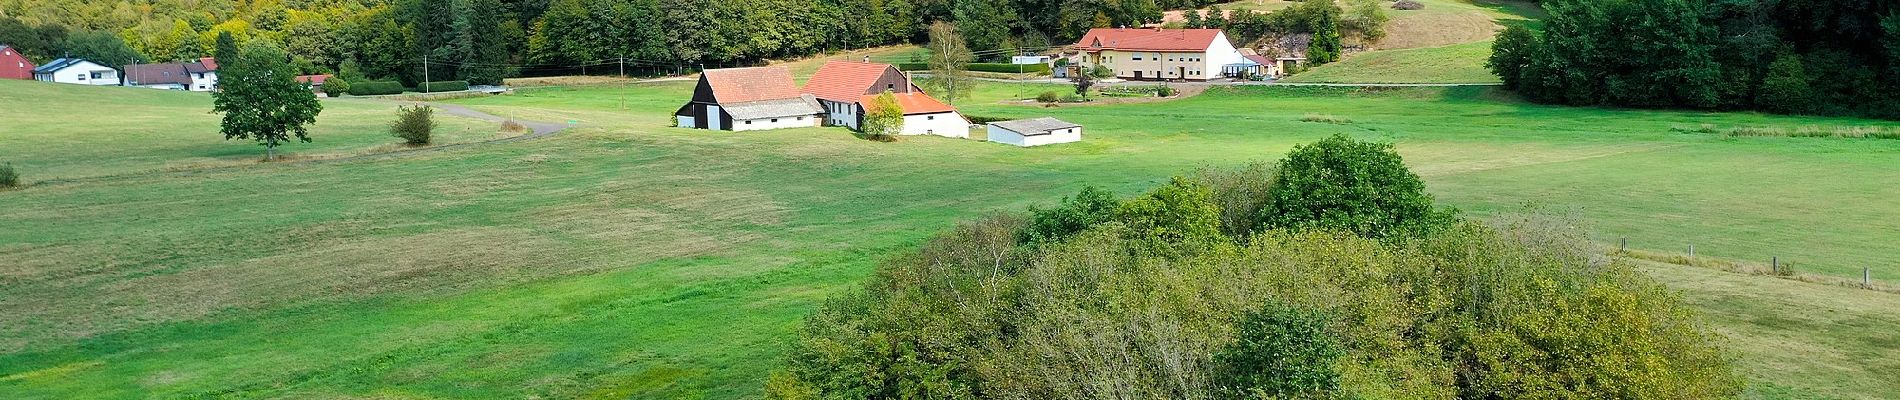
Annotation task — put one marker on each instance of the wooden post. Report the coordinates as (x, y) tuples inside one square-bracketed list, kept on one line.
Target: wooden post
[(1623, 246), (1692, 251), (1774, 265)]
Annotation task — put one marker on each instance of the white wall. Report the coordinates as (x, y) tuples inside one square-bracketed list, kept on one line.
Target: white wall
[(1219, 55), (1005, 136), (164, 86), (767, 123), (81, 74), (947, 124), (205, 84), (840, 114)]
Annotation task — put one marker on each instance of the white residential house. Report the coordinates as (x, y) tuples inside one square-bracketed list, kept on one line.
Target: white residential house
[(196, 76), (1159, 54), (1034, 132), (77, 71)]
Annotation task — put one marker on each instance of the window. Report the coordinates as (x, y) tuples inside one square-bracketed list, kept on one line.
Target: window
[(775, 120), (890, 86), (930, 118), (748, 122), (801, 118), (1137, 57), (98, 75), (82, 77)]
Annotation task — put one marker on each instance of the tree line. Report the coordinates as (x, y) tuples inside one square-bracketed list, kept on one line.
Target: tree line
[(483, 40), (1824, 57), (1330, 274)]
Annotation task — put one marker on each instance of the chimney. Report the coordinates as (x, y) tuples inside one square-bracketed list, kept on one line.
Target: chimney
[(867, 59)]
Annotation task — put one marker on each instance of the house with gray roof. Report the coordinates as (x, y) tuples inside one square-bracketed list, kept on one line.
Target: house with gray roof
[(1034, 132), (77, 71)]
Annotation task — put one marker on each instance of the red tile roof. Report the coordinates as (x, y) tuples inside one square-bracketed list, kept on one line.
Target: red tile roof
[(739, 85), (912, 103), (316, 80), (845, 81), (1140, 39), (209, 63)]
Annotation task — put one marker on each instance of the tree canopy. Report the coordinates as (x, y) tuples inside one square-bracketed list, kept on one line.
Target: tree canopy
[(261, 99)]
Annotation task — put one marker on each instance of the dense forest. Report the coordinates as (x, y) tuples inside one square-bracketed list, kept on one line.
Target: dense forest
[(1828, 57), (484, 40)]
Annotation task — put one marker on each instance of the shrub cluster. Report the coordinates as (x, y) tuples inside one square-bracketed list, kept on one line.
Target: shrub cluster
[(1008, 68), (1408, 5), (336, 87), (913, 66), (442, 86), (1161, 296), (414, 124), (1049, 97), (8, 177), (375, 88)]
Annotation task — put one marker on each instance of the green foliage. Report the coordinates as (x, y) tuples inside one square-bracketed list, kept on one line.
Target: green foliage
[(261, 101), (912, 66), (415, 125), (1353, 186), (1164, 91), (1365, 20), (336, 87), (1326, 46), (1101, 71), (102, 48), (883, 118), (1240, 193), (1049, 97), (1514, 49), (1785, 89), (1280, 352), (1090, 207), (442, 86), (226, 47), (8, 177), (375, 88), (1173, 219)]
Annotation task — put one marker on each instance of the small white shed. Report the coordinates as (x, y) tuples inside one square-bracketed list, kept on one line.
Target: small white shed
[(1035, 132)]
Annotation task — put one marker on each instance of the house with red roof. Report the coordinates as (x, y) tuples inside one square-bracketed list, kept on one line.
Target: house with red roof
[(847, 90), (199, 75), (14, 65), (747, 99), (1159, 54)]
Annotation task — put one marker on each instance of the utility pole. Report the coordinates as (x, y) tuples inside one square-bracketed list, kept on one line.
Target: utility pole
[(425, 72), (623, 66)]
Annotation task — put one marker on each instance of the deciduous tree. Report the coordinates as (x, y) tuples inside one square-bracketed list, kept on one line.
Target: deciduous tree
[(949, 63), (261, 99)]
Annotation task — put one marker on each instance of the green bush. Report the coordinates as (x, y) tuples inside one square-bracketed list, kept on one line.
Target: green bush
[(1172, 219), (442, 86), (336, 87), (1343, 184), (1074, 98), (913, 66), (8, 177), (414, 124), (1786, 89), (1164, 91), (1049, 97), (375, 88), (1073, 215), (984, 119), (1280, 352), (1008, 68)]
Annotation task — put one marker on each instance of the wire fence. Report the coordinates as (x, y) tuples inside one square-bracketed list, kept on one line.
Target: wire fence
[(1774, 267)]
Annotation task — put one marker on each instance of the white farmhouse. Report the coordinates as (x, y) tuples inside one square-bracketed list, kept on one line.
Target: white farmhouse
[(1035, 132), (847, 90), (77, 71), (1159, 54)]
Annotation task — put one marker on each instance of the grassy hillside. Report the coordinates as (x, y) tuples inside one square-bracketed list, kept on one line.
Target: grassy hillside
[(628, 259), (1461, 63), (56, 131)]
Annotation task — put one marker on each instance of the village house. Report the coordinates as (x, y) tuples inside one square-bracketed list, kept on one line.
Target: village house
[(1158, 54), (14, 65), (1034, 132), (315, 82), (845, 89), (77, 71), (197, 76), (746, 99)]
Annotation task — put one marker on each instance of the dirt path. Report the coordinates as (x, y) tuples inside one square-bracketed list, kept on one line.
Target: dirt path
[(536, 130)]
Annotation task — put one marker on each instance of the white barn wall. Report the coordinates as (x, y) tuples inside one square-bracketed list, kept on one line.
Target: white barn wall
[(948, 124), (766, 123), (1005, 136)]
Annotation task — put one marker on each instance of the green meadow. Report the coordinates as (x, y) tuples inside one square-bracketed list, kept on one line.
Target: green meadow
[(627, 259)]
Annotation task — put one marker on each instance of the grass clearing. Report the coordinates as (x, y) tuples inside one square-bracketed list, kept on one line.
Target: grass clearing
[(628, 259), (1461, 63), (119, 130)]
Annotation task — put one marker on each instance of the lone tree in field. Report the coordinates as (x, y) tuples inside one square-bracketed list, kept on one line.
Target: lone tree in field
[(261, 100), (1353, 186), (949, 62), (884, 118)]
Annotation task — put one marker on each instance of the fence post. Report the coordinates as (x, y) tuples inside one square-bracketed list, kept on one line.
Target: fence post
[(1775, 264), (1623, 246), (1692, 251)]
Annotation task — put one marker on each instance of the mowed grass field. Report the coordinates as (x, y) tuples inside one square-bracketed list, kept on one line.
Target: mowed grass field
[(53, 132), (1458, 63), (629, 259)]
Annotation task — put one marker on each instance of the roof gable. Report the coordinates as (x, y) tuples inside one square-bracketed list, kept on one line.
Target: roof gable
[(739, 85), (1149, 39), (158, 74), (61, 64), (847, 81)]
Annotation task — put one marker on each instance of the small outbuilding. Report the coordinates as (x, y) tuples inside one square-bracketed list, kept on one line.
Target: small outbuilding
[(1035, 132), (748, 99)]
